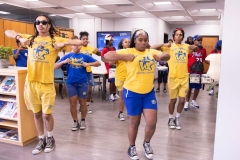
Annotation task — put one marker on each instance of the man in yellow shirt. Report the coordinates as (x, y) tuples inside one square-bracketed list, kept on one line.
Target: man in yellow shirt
[(39, 91), (178, 74)]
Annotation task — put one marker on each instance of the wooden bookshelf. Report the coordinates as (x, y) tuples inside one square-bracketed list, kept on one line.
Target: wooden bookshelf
[(24, 122)]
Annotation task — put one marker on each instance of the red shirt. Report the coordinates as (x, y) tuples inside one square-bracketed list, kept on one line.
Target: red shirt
[(215, 52), (194, 56), (104, 51)]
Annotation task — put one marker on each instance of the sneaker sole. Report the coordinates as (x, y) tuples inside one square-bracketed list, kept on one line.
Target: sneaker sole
[(82, 128), (122, 119), (186, 109), (172, 127), (178, 128), (135, 158), (47, 151), (35, 153), (89, 112), (74, 129), (150, 156)]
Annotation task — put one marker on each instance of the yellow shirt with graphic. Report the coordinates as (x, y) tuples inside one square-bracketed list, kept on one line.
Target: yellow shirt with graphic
[(41, 59), (178, 61), (89, 50), (140, 72), (121, 71)]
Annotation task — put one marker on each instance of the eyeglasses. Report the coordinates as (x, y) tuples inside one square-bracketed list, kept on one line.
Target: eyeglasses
[(42, 22)]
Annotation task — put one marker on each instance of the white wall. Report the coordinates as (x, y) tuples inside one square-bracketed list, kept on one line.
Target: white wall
[(206, 30), (227, 133)]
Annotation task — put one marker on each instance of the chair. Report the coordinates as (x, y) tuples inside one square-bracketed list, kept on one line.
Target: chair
[(96, 83), (59, 79)]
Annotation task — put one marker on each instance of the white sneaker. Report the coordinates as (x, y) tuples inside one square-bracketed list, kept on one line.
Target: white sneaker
[(111, 98), (116, 96), (89, 111), (194, 104), (121, 117), (211, 92), (186, 106)]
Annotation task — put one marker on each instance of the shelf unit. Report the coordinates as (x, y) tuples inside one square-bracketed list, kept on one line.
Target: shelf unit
[(24, 122)]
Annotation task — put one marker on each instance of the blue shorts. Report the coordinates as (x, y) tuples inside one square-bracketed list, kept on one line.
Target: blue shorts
[(195, 85), (135, 103), (80, 90), (110, 80), (90, 79)]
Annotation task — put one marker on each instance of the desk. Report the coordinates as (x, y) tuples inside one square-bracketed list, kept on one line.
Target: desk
[(104, 75)]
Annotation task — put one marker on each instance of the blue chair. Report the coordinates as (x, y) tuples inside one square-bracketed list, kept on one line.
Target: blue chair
[(59, 79)]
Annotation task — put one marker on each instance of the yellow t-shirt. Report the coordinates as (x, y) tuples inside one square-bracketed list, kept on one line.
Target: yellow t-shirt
[(41, 59), (89, 50), (140, 72), (121, 71), (178, 61)]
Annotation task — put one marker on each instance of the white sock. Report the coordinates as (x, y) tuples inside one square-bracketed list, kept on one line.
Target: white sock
[(170, 115), (88, 103), (41, 137), (186, 105), (178, 115), (50, 134)]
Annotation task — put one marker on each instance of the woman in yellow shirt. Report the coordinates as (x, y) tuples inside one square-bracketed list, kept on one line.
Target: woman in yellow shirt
[(120, 77), (138, 92)]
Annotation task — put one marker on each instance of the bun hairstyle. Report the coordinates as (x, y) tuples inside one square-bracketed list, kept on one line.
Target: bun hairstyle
[(135, 35), (83, 33), (178, 29)]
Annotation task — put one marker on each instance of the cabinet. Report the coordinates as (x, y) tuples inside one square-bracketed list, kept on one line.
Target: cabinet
[(24, 122)]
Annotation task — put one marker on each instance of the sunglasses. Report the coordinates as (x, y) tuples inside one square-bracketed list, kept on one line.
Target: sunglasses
[(42, 22)]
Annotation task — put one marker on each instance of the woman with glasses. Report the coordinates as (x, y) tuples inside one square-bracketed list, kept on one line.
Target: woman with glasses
[(39, 92), (138, 88)]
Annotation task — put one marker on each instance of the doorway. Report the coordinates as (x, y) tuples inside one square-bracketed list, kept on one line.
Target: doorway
[(165, 38)]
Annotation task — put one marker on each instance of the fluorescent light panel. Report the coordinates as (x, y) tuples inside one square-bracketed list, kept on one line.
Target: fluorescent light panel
[(138, 12), (31, 0), (207, 9), (52, 15), (2, 12), (90, 6), (162, 3)]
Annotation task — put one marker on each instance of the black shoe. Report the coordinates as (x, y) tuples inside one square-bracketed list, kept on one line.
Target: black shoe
[(40, 146), (164, 90), (157, 90), (148, 150), (50, 145), (132, 153)]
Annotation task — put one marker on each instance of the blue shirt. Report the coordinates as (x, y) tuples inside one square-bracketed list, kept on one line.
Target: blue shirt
[(76, 73), (21, 61)]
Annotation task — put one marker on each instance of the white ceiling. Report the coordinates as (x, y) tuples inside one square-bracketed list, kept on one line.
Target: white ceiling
[(179, 12)]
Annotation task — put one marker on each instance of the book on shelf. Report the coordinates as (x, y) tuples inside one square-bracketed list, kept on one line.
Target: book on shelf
[(13, 90), (9, 134), (7, 84), (8, 110), (1, 79), (14, 115), (2, 105)]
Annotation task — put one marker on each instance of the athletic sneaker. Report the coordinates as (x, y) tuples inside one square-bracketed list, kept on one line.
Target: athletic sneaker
[(89, 111), (171, 123), (75, 126), (157, 90), (82, 125), (164, 90), (211, 92), (121, 117), (186, 106), (194, 104), (50, 145), (132, 153), (111, 98), (116, 96), (177, 122), (148, 150), (40, 146)]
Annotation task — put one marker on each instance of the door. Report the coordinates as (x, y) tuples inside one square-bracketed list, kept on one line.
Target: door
[(209, 43), (165, 38)]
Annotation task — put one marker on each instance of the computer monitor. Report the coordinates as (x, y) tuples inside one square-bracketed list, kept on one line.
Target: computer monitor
[(117, 37)]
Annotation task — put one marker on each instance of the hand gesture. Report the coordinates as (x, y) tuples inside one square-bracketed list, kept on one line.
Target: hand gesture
[(58, 45), (24, 41), (96, 50), (129, 57), (66, 61), (84, 64), (167, 44)]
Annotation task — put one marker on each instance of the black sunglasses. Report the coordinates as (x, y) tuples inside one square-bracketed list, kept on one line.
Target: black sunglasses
[(43, 22)]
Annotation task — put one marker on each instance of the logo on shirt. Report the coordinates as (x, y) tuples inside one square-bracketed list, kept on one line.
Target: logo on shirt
[(180, 56), (40, 52), (146, 63), (75, 62), (86, 52)]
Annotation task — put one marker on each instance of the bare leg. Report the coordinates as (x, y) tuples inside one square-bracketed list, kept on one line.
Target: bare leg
[(89, 93), (73, 107), (134, 122), (171, 106), (188, 95), (180, 104), (151, 121), (196, 92), (83, 108), (38, 119), (49, 122), (120, 102)]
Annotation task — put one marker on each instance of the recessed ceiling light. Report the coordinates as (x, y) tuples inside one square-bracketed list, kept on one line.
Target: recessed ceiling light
[(138, 12), (2, 12), (89, 6), (52, 15), (31, 0), (79, 13), (1, 3), (177, 16), (162, 3), (207, 9)]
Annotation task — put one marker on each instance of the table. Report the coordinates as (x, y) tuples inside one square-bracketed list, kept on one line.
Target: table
[(104, 75)]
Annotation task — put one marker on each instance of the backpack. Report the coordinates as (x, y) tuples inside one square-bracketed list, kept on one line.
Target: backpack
[(197, 66)]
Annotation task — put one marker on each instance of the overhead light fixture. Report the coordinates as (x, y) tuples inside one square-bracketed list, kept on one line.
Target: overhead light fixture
[(1, 3), (2, 12), (138, 12), (31, 0), (162, 3), (90, 6), (178, 16), (79, 13), (52, 15), (207, 9)]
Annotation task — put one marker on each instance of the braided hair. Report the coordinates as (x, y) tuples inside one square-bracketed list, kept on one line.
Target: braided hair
[(52, 30)]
